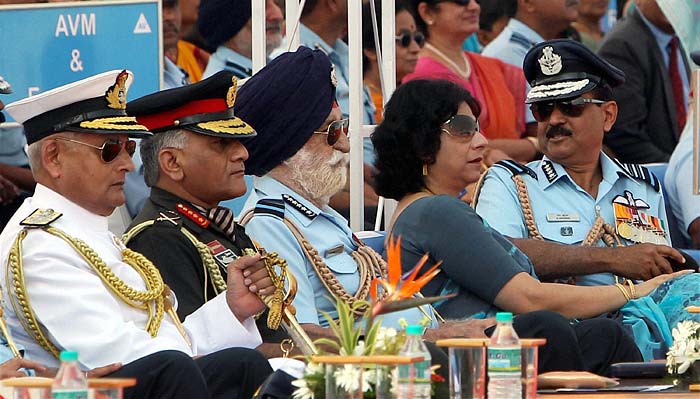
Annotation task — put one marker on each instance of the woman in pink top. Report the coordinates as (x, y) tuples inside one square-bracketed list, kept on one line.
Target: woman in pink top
[(500, 88)]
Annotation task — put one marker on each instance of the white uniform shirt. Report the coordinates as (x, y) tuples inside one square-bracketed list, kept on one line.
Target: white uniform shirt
[(82, 314)]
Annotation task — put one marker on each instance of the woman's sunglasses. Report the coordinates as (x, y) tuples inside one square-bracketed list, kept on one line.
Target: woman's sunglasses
[(461, 126), (404, 39), (572, 108), (110, 149), (334, 130)]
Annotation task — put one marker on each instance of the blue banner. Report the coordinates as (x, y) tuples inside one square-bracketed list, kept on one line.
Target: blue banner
[(47, 45)]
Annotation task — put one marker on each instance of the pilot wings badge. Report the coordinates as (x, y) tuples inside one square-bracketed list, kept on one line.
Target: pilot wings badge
[(550, 63)]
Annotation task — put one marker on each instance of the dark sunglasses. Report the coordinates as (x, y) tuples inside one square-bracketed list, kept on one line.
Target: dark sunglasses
[(404, 39), (110, 149), (461, 126), (334, 130), (572, 108)]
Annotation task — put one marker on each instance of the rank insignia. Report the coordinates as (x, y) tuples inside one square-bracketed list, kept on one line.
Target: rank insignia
[(41, 218), (635, 225), (223, 255), (193, 215), (299, 206), (549, 171)]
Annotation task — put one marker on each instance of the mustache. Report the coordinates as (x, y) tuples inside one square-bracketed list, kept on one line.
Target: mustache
[(274, 26), (170, 27), (558, 131), (339, 158)]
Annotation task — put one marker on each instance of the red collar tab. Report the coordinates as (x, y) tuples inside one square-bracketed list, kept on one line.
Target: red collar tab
[(170, 118), (193, 215)]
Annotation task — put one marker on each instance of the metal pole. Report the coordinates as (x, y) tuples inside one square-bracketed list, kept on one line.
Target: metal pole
[(293, 13), (696, 131), (388, 73), (259, 45), (357, 209)]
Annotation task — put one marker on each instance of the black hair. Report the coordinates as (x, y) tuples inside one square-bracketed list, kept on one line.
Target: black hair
[(409, 135), (493, 10), (368, 28)]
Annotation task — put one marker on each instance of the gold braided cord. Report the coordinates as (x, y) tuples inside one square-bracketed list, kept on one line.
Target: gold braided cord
[(369, 264), (599, 230), (477, 188), (524, 199), (132, 297), (211, 268), (135, 298), (20, 300)]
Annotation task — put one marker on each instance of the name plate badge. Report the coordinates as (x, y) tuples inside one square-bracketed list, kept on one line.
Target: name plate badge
[(563, 217)]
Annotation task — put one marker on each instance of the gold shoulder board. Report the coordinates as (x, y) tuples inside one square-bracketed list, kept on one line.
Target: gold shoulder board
[(41, 218)]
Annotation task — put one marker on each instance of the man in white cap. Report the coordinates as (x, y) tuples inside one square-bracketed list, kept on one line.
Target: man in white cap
[(73, 285)]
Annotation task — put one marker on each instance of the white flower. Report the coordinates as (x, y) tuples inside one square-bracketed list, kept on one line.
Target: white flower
[(385, 337), (686, 346), (359, 349), (303, 391), (348, 377), (313, 368)]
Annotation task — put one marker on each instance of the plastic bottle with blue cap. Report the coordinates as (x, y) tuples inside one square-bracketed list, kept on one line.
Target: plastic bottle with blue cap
[(414, 380), (504, 360), (70, 382)]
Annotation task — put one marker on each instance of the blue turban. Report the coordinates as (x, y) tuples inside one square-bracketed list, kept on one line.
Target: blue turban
[(285, 102), (220, 20)]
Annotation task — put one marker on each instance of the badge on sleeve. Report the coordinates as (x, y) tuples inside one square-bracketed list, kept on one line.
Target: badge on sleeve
[(223, 255), (635, 225)]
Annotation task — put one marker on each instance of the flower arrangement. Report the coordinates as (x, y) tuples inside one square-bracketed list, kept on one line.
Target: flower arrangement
[(370, 339), (685, 349)]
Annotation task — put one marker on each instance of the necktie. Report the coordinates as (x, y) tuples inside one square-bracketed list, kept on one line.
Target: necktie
[(674, 70), (223, 218)]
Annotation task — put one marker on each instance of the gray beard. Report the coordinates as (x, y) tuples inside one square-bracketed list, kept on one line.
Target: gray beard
[(319, 179)]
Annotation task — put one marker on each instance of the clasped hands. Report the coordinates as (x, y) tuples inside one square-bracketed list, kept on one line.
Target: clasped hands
[(247, 279)]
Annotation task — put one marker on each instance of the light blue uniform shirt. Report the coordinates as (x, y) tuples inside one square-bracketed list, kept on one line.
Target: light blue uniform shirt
[(678, 182), (510, 46), (663, 39), (325, 229), (226, 59), (173, 75), (563, 211)]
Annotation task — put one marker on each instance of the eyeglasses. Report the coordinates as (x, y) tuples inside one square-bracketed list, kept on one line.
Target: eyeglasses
[(334, 129), (110, 149), (461, 125), (573, 108), (404, 39)]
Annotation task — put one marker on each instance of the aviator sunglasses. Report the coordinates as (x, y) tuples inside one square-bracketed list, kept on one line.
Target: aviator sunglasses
[(404, 39), (334, 130), (572, 108), (461, 126), (110, 149)]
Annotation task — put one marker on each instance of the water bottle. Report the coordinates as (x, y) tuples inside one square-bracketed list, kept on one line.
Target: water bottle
[(70, 382), (504, 367), (414, 381)]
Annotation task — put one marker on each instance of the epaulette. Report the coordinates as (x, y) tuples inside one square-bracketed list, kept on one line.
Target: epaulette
[(193, 215), (270, 206), (299, 206), (549, 171), (639, 172), (521, 40), (239, 71), (516, 168), (41, 218)]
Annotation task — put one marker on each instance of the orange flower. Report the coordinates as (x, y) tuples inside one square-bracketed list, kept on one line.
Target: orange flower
[(399, 292)]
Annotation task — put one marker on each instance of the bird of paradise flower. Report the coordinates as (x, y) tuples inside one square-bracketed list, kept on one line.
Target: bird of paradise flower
[(398, 293)]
